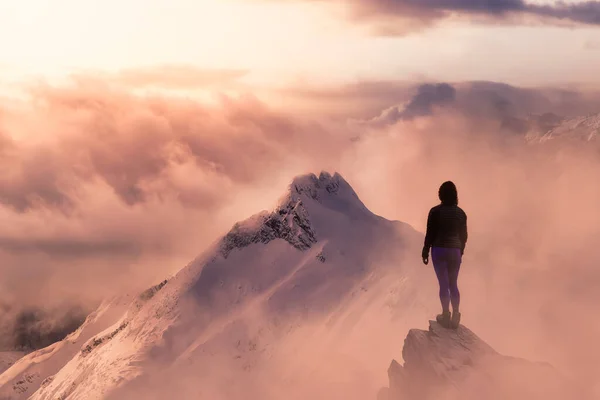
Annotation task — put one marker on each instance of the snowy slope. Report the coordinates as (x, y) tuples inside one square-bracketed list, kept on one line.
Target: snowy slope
[(8, 358), (582, 128), (252, 315), (25, 376)]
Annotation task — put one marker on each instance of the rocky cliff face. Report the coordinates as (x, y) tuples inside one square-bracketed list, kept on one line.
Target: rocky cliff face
[(290, 222), (456, 364)]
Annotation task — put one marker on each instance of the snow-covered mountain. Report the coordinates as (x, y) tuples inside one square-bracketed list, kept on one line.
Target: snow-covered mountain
[(582, 128), (285, 298)]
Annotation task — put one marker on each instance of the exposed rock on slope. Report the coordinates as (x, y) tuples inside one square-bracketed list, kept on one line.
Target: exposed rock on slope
[(290, 220), (447, 364)]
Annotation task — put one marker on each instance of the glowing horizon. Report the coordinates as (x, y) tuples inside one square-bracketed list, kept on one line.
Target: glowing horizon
[(280, 44)]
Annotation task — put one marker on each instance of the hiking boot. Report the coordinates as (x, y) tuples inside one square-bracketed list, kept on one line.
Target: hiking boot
[(455, 322), (443, 319)]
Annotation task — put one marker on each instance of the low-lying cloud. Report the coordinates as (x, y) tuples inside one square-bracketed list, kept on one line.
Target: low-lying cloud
[(422, 104), (104, 191), (514, 109), (175, 77)]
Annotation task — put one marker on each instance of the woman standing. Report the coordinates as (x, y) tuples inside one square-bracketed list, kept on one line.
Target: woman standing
[(446, 236)]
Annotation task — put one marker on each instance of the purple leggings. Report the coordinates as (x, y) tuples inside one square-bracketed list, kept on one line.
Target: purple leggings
[(446, 262)]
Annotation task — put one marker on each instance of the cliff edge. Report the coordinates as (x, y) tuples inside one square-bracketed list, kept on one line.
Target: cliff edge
[(456, 364)]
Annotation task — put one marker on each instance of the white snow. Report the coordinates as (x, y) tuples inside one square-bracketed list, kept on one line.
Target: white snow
[(254, 313), (25, 376)]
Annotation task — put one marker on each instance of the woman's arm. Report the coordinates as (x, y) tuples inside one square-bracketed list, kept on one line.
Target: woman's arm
[(430, 233), (464, 235)]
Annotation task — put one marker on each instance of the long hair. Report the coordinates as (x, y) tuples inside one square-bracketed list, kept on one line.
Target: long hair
[(448, 194)]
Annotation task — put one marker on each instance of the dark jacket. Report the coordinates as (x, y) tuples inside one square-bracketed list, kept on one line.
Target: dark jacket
[(446, 227)]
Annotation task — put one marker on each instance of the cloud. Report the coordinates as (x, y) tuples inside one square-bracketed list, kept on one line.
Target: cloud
[(586, 12), (529, 208), (513, 108), (394, 17), (422, 104), (104, 190), (34, 328), (169, 76), (136, 145), (591, 45), (362, 99), (176, 76)]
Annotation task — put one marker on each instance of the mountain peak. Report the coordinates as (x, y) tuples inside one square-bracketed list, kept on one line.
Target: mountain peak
[(316, 187), (291, 218), (289, 221), (457, 364), (312, 185), (330, 191), (584, 128)]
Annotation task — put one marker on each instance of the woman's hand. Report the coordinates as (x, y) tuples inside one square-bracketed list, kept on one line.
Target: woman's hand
[(425, 255)]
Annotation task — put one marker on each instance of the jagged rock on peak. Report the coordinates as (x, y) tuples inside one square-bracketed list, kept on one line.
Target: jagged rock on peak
[(316, 187), (457, 364), (453, 348), (289, 221)]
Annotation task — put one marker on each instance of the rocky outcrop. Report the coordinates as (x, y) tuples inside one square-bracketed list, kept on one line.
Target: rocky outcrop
[(315, 187), (290, 222), (456, 364)]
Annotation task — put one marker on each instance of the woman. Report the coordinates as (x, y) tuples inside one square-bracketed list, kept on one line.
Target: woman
[(446, 236)]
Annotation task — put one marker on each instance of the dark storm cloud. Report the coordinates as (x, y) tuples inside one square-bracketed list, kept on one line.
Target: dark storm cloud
[(587, 12), (397, 17)]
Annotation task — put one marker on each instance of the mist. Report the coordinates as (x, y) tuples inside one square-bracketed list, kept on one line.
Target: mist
[(528, 280), (105, 191)]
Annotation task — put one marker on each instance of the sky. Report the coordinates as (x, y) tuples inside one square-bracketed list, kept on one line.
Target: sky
[(113, 177), (319, 42)]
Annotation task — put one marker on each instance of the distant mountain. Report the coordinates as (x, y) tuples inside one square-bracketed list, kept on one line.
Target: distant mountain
[(549, 127), (584, 128), (252, 316), (532, 124)]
